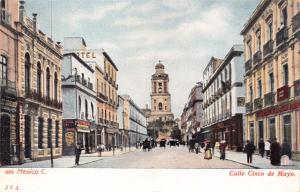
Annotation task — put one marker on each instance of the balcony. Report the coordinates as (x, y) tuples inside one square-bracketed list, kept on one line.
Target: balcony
[(249, 107), (8, 89), (90, 85), (106, 76), (33, 95), (283, 93), (296, 22), (248, 65), (256, 57), (100, 95), (269, 99), (258, 103), (281, 36), (268, 48), (5, 17)]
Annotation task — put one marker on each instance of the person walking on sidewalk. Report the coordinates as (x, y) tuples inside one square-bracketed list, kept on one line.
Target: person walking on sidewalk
[(77, 153), (217, 147), (286, 153), (275, 150), (222, 149), (267, 148), (249, 150), (207, 153), (261, 147)]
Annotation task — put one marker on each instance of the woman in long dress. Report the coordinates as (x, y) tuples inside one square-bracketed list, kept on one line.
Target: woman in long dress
[(208, 154)]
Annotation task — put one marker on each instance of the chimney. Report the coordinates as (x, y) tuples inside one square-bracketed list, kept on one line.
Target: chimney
[(22, 11), (34, 22)]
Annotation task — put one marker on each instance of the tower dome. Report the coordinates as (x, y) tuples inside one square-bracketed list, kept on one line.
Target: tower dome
[(159, 65)]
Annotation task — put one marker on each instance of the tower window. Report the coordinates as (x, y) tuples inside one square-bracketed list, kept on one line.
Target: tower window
[(160, 106)]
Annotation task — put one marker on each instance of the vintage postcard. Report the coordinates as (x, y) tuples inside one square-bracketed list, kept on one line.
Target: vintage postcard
[(167, 91)]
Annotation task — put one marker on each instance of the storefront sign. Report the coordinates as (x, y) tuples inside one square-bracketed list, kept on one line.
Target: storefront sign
[(69, 123), (297, 87), (86, 54), (278, 109), (283, 93), (69, 138), (83, 124)]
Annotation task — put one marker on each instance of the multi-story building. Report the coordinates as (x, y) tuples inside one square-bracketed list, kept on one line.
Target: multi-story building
[(192, 116), (134, 121), (224, 99), (79, 115), (272, 73), (39, 91), (105, 86), (9, 12)]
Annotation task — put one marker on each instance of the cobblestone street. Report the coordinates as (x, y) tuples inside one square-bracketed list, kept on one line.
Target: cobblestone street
[(172, 158)]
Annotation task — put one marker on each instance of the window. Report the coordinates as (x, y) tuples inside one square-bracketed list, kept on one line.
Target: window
[(56, 133), (287, 130), (272, 128), (285, 75), (154, 100), (249, 49), (259, 87), (39, 79), (270, 29), (258, 40), (55, 86), (3, 70), (92, 108), (48, 83), (165, 107), (165, 87), (271, 78), (27, 73), (40, 132), (251, 93), (160, 106), (49, 133), (284, 17), (79, 105), (86, 110), (159, 87), (252, 132)]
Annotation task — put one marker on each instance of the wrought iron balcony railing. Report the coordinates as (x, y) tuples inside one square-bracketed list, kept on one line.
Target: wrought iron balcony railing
[(256, 57), (269, 99), (248, 65), (268, 48), (281, 36), (258, 103), (296, 22)]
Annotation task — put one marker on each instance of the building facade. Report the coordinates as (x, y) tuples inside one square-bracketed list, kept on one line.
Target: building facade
[(272, 73), (134, 121), (79, 115), (106, 88), (9, 142), (192, 115), (39, 91), (224, 99)]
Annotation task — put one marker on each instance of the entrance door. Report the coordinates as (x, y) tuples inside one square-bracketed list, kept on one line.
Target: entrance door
[(4, 139), (252, 132), (261, 129), (27, 136), (287, 129)]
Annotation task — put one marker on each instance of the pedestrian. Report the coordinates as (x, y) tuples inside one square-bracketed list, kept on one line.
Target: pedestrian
[(249, 150), (197, 147), (261, 147), (217, 146), (267, 148), (222, 149), (275, 150), (286, 153), (77, 153), (208, 154)]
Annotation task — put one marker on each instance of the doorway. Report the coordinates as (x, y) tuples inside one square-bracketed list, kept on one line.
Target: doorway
[(27, 136), (4, 139)]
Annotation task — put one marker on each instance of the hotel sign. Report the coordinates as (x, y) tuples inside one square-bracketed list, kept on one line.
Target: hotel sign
[(283, 93)]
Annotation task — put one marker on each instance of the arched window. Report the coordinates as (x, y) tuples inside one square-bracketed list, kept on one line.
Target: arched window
[(3, 70), (160, 106), (55, 85), (39, 79), (79, 104), (86, 110), (27, 73), (92, 108), (48, 83)]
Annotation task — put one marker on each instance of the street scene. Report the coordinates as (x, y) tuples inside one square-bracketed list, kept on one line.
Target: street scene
[(150, 84)]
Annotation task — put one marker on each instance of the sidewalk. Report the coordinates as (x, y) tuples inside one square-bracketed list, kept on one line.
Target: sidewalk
[(69, 161), (257, 161)]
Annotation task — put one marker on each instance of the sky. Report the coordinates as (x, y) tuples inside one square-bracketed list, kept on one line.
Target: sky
[(183, 34)]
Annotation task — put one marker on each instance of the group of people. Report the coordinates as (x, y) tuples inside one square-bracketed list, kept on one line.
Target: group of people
[(278, 154), (208, 148)]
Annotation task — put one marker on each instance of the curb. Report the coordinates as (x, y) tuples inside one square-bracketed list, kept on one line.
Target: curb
[(249, 165), (85, 163)]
